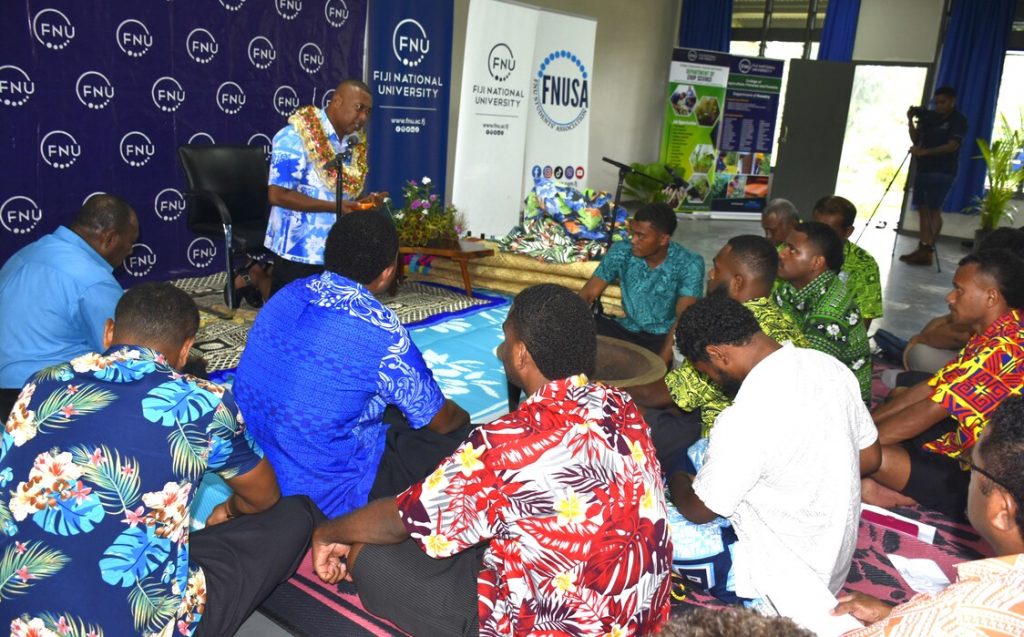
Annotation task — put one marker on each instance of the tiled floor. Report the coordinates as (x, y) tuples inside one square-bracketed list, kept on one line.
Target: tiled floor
[(912, 296)]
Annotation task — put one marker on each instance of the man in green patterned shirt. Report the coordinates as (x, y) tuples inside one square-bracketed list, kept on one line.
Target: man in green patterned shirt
[(814, 296), (743, 269), (859, 268)]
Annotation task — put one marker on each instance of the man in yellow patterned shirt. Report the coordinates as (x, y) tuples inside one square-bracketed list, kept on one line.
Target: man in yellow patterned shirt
[(926, 427), (988, 596), (743, 269)]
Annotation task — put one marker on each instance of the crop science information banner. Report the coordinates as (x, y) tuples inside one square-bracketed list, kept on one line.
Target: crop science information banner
[(719, 128)]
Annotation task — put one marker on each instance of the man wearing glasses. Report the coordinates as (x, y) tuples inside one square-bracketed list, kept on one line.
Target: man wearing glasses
[(988, 597), (925, 428)]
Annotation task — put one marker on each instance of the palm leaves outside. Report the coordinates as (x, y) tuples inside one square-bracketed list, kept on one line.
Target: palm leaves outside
[(65, 403), (152, 608), (117, 479), (20, 568)]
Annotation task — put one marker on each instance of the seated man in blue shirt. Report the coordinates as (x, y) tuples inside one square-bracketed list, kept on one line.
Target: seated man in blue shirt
[(57, 292), (659, 279), (323, 363)]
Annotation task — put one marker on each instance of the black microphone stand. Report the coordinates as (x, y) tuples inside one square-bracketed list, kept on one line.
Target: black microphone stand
[(624, 169), (339, 162)]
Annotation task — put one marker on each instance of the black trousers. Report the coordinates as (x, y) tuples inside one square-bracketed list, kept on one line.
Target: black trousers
[(672, 432), (607, 326), (245, 559), (285, 271), (7, 399)]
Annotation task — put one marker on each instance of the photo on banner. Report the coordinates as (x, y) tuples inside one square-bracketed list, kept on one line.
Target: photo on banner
[(493, 112), (719, 128), (98, 96), (409, 60)]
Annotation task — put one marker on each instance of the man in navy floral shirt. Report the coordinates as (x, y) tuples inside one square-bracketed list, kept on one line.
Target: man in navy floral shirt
[(99, 461)]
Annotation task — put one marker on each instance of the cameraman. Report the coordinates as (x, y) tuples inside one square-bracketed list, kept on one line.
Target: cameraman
[(937, 136)]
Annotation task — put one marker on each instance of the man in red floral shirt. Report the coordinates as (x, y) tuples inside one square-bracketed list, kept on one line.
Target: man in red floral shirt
[(556, 510)]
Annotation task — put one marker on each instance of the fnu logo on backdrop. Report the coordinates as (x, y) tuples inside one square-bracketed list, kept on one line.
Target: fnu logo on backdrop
[(261, 52), (201, 252), (561, 91), (20, 215), (53, 29), (261, 140), (167, 94), (409, 42), (311, 58), (168, 204), (230, 98), (500, 62), (137, 149), (133, 38), (94, 90), (288, 9), (201, 46), (16, 87), (286, 101), (140, 261), (59, 149), (336, 12)]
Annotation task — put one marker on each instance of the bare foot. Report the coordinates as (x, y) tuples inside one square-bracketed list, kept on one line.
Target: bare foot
[(879, 495)]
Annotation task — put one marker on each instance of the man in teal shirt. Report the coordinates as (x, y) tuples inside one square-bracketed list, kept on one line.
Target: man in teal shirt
[(659, 279), (57, 292)]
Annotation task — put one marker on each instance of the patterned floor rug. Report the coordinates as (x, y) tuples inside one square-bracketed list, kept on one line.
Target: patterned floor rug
[(222, 335)]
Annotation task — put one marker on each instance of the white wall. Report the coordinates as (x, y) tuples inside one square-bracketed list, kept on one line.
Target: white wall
[(898, 30), (633, 52)]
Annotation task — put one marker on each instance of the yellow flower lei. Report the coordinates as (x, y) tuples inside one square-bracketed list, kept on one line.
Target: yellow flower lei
[(306, 121)]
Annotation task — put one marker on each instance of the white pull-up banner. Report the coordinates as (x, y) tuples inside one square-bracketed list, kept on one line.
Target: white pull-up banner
[(524, 109)]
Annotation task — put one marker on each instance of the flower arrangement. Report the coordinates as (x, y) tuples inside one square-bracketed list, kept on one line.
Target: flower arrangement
[(425, 220)]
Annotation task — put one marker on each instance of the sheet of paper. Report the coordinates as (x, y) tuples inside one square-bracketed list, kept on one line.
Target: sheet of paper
[(923, 576)]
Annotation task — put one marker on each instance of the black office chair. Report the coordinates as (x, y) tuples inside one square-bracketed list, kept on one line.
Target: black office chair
[(227, 195)]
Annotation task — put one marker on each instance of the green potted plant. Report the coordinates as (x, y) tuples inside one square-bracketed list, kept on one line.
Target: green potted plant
[(1004, 178), (425, 220)]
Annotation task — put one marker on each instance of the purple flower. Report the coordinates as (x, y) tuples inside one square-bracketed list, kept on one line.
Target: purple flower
[(433, 197), (424, 203), (415, 204)]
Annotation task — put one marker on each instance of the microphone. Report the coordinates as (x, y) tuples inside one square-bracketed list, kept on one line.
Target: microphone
[(677, 181), (345, 156), (617, 164)]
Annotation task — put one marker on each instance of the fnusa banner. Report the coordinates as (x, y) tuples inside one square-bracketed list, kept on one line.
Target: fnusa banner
[(410, 57), (524, 110), (96, 96), (493, 114)]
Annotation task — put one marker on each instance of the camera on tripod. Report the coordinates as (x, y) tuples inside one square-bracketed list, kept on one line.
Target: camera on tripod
[(921, 113)]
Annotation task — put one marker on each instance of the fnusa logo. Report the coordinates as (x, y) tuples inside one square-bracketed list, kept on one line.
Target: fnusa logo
[(201, 46), (230, 98), (261, 52), (94, 90), (409, 42), (167, 94), (336, 12), (133, 38), (53, 29), (311, 58), (500, 62), (59, 149), (561, 90), (288, 9), (169, 204), (201, 252), (20, 215), (16, 87), (285, 100), (259, 139), (140, 261), (137, 149)]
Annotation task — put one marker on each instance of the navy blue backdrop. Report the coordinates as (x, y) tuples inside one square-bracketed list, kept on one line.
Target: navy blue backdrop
[(96, 97), (410, 53)]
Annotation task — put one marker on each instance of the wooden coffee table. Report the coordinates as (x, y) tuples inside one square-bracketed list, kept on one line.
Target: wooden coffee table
[(462, 254)]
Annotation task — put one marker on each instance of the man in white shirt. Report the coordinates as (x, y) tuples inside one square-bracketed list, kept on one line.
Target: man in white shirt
[(784, 461)]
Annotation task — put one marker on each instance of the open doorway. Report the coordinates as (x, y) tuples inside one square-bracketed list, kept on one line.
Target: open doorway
[(874, 147)]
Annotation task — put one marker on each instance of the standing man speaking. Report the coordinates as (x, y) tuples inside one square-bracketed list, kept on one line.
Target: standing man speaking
[(937, 136), (301, 187)]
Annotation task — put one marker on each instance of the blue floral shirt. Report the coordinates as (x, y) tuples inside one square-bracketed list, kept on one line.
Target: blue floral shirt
[(300, 236), (649, 295), (99, 463), (322, 362)]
